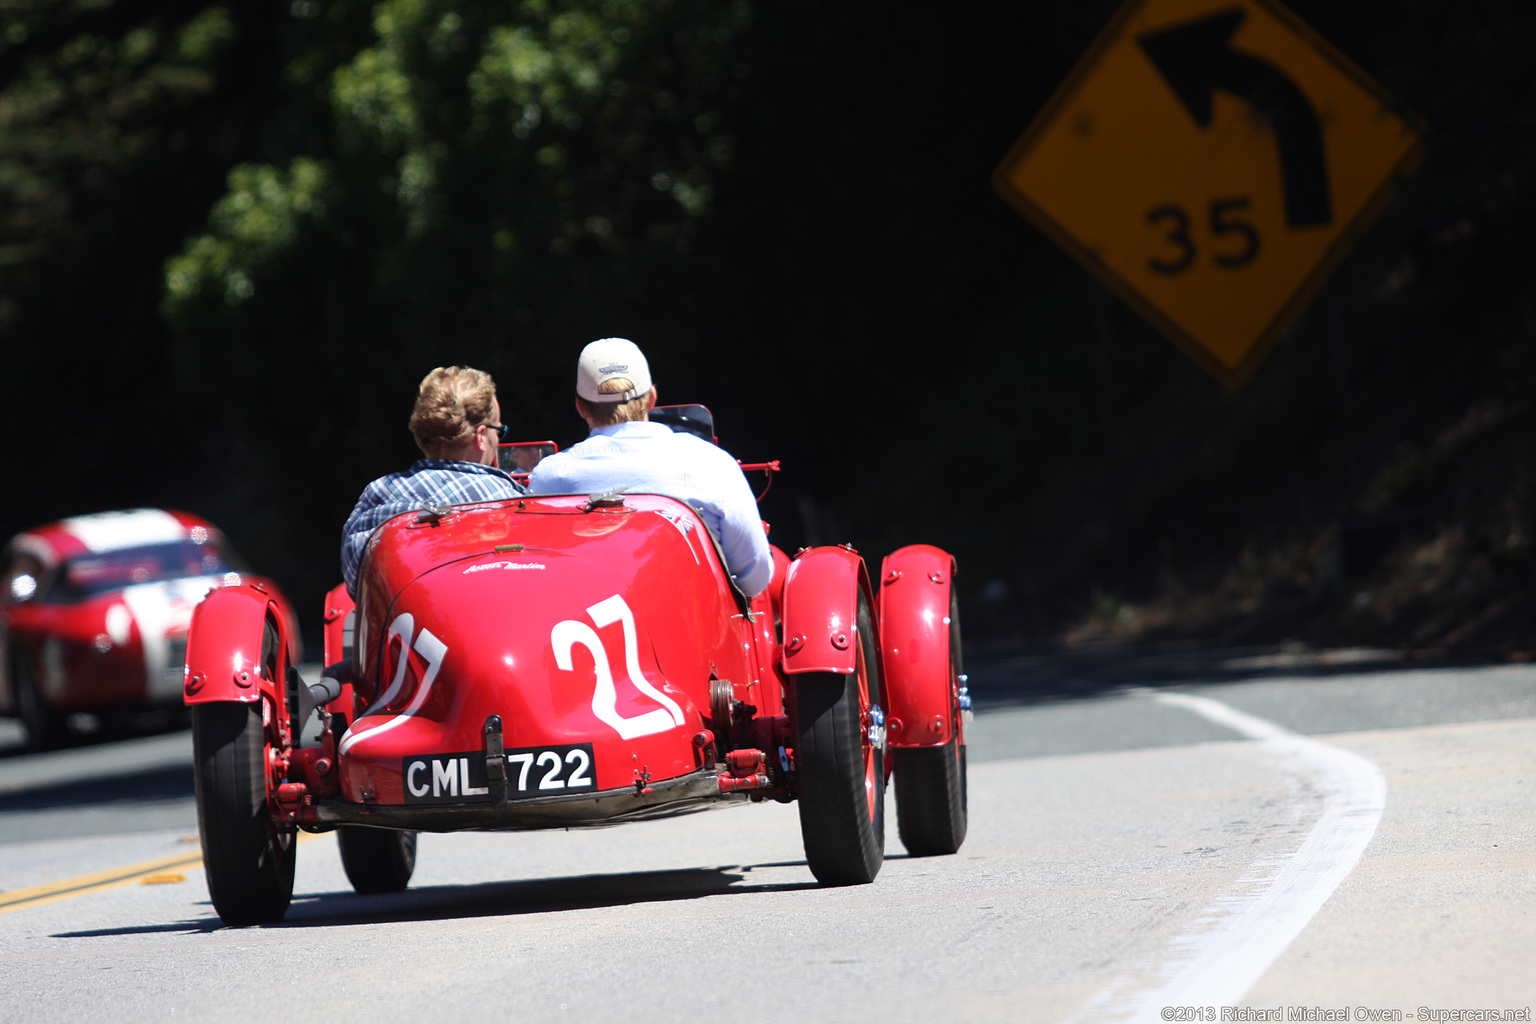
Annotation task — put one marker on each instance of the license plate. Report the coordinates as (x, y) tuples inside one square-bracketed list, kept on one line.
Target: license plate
[(460, 778), (549, 771)]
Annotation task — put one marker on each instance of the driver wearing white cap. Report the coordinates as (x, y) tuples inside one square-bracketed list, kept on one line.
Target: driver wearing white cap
[(614, 395)]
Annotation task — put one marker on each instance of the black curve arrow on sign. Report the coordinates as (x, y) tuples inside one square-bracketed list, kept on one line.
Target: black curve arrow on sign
[(1197, 59)]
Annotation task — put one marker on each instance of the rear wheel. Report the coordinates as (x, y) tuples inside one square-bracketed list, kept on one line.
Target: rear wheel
[(931, 811), (840, 767), (376, 859), (47, 726), (930, 798), (247, 859)]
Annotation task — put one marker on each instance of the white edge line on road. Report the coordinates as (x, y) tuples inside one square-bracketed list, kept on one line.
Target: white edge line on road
[(1235, 940)]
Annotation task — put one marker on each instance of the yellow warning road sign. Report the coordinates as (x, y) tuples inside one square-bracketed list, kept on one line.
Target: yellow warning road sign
[(1210, 161)]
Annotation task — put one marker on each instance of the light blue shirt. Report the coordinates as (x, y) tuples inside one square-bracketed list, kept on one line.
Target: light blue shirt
[(652, 458)]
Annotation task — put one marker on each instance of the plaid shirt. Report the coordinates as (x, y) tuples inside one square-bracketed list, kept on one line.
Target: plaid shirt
[(442, 480)]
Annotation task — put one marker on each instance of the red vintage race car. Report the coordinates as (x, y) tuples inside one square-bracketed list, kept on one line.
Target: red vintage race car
[(94, 613), (576, 661)]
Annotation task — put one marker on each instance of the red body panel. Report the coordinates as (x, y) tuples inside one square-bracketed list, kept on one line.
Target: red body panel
[(51, 544), (337, 642), (820, 611), (914, 635), (76, 674), (339, 637), (572, 624), (224, 647)]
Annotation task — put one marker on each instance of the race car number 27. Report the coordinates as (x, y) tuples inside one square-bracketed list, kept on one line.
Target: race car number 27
[(568, 634)]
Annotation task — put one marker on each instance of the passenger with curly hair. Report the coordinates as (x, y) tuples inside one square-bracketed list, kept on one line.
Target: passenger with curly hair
[(457, 425)]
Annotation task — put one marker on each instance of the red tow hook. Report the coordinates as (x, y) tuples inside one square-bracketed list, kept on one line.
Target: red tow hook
[(745, 770)]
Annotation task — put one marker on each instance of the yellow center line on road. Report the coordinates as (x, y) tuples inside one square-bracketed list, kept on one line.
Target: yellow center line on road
[(37, 895), (40, 894)]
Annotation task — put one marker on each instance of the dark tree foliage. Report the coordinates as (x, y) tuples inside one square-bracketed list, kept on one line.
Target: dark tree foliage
[(234, 237), (118, 123)]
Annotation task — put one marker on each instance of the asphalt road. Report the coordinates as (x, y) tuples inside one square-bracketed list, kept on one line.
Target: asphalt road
[(1202, 832)]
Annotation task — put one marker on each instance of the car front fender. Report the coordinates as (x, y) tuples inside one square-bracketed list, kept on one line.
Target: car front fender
[(225, 647), (820, 611), (915, 636)]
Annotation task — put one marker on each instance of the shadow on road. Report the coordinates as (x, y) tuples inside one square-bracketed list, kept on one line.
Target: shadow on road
[(203, 927), (94, 731), (1015, 676), (496, 899), (148, 785)]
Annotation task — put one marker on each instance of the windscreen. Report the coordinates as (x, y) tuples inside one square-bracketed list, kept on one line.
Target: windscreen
[(93, 574)]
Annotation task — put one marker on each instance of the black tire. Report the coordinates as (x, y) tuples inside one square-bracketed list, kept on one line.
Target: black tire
[(931, 798), (248, 861), (377, 859), (840, 774), (47, 726)]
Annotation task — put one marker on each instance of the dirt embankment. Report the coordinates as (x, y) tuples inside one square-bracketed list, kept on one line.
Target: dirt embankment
[(1436, 559), (1375, 485)]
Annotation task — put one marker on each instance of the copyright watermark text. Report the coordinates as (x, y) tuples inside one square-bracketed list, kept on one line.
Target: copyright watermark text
[(1203, 1014)]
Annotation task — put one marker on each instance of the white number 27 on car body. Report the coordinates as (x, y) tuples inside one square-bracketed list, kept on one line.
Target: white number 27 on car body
[(567, 634)]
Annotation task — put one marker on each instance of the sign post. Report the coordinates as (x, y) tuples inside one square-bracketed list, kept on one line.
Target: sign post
[(1210, 161)]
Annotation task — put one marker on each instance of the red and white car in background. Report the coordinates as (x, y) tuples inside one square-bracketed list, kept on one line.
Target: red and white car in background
[(94, 612)]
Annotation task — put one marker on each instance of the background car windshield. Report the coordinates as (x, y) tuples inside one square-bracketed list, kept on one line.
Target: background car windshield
[(94, 574)]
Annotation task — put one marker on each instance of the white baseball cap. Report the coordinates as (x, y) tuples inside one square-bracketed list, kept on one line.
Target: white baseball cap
[(606, 360)]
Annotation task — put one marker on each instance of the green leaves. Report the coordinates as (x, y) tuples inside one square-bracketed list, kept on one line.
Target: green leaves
[(200, 40), (555, 63), (373, 97), (95, 98), (256, 221), (478, 137)]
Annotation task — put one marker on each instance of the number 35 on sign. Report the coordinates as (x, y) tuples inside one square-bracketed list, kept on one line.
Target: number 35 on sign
[(1210, 161)]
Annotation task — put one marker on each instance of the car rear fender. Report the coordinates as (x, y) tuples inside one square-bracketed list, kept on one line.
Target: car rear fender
[(915, 587), (340, 625), (340, 644), (820, 610), (238, 647)]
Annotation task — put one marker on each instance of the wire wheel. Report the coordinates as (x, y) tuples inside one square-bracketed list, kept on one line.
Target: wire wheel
[(377, 859), (248, 861), (840, 766), (931, 810)]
